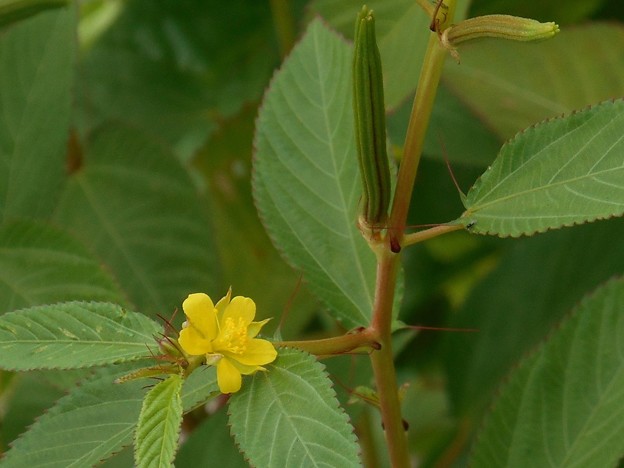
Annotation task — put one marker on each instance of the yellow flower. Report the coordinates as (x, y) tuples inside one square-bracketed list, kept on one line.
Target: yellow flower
[(225, 333)]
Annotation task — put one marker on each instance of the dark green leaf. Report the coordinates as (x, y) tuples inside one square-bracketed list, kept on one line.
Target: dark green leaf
[(135, 206), (538, 280), (564, 405), (513, 85), (36, 62), (211, 437), (40, 264), (179, 65)]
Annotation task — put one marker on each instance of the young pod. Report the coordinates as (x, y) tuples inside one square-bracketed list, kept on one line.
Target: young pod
[(370, 122)]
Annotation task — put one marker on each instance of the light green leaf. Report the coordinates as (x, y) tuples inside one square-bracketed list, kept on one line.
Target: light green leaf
[(306, 180), (137, 208), (199, 387), (289, 416), (513, 85), (564, 406), (561, 172), (36, 59), (96, 420), (156, 435), (43, 265), (74, 335)]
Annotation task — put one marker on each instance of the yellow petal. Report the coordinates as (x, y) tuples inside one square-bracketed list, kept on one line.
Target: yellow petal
[(201, 315), (228, 377), (258, 353), (194, 343), (255, 327), (223, 303), (240, 307)]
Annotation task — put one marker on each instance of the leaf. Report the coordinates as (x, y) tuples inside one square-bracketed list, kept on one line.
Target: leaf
[(306, 181), (564, 405), (513, 85), (454, 133), (209, 438), (156, 435), (199, 387), (40, 264), (135, 206), (83, 428), (73, 335), (15, 10), (96, 420), (243, 245), (27, 397), (537, 281), (36, 61), (289, 416), (561, 172), (562, 11), (180, 65)]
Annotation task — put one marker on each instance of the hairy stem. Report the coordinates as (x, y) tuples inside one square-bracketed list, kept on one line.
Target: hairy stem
[(387, 261), (383, 359), (419, 121)]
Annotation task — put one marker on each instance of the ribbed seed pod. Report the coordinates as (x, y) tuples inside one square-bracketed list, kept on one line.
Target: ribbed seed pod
[(370, 122)]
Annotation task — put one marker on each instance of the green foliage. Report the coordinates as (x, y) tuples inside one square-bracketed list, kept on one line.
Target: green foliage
[(520, 301), (302, 422), (309, 203), (562, 172), (74, 335), (65, 269), (83, 428), (130, 199), (35, 112), (15, 10), (564, 405), (512, 85), (126, 138), (156, 435)]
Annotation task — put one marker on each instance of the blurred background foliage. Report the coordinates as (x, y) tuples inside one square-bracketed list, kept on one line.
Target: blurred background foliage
[(149, 198)]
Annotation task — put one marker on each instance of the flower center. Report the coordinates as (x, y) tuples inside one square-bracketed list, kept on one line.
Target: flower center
[(233, 336)]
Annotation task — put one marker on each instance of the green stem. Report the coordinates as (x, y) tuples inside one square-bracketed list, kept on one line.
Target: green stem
[(361, 339), (416, 237), (387, 262), (284, 25), (383, 360), (417, 128)]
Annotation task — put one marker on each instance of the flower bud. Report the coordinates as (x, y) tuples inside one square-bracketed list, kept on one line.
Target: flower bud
[(501, 26), (370, 122)]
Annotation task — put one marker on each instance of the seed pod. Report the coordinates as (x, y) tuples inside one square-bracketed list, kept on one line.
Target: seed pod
[(370, 122), (501, 26)]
